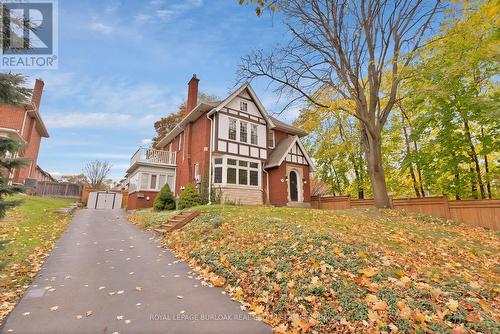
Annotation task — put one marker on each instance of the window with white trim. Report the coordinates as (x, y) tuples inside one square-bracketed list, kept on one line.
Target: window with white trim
[(144, 180), (232, 129), (218, 170), (270, 138), (243, 106), (162, 179), (253, 135), (243, 131), (152, 182), (237, 172)]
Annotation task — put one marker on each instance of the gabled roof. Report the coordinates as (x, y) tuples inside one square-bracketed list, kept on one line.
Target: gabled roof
[(213, 107), (253, 95), (279, 153)]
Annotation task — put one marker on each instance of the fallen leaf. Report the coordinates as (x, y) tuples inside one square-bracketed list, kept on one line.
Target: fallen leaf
[(54, 308), (368, 272), (452, 304)]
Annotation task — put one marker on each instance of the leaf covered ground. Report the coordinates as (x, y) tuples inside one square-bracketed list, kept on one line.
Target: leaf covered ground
[(304, 270), (27, 235)]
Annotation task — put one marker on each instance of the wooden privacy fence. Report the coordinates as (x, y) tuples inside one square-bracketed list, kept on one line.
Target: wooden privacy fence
[(56, 189), (483, 213)]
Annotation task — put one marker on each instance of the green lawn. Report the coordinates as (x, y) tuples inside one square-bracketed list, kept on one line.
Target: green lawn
[(304, 270), (28, 233)]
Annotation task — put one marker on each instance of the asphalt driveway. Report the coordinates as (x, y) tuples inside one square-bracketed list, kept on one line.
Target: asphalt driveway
[(107, 276)]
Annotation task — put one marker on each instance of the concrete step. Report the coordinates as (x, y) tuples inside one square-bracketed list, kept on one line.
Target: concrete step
[(298, 205)]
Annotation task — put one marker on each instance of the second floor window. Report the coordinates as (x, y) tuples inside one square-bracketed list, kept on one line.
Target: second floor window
[(232, 129), (243, 132), (270, 138), (253, 135)]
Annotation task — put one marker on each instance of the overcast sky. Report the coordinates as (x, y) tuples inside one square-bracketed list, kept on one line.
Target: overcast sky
[(125, 64)]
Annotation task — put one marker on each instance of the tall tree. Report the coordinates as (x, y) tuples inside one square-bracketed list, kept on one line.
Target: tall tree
[(348, 47), (458, 102), (96, 173)]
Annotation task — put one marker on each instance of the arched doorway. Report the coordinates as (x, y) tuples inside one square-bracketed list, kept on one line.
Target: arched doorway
[(294, 191)]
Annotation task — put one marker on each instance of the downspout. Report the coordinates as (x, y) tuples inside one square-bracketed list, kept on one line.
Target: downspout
[(210, 161)]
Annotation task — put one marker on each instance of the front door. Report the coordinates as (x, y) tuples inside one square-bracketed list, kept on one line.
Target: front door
[(294, 193)]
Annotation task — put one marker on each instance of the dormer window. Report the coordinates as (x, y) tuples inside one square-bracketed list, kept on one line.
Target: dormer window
[(243, 106)]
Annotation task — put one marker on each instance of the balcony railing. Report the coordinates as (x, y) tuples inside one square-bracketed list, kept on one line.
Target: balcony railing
[(153, 156)]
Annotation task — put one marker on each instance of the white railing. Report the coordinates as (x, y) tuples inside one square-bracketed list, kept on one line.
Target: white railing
[(154, 156)]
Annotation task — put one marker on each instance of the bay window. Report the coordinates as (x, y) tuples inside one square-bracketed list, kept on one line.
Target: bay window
[(236, 172)]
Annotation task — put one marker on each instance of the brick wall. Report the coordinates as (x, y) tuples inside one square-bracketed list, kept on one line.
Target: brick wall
[(135, 201), (11, 117), (278, 191)]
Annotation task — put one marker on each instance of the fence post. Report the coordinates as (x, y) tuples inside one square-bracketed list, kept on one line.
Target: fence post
[(446, 207), (349, 201)]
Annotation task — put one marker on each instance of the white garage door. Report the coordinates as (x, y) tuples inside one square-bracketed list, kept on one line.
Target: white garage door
[(104, 200)]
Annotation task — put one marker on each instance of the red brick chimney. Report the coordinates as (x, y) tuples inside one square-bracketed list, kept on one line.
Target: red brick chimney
[(37, 93), (192, 99)]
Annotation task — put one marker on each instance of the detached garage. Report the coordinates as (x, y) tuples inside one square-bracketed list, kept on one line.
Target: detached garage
[(104, 200)]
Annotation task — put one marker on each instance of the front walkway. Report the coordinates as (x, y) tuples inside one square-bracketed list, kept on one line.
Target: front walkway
[(107, 276)]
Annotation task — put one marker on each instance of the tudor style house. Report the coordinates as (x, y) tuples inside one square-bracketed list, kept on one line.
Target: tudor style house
[(251, 157)]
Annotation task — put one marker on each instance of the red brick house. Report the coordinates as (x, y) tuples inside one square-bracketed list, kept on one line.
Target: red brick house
[(24, 123), (251, 157)]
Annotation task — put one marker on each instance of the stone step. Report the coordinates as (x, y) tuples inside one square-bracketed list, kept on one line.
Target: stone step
[(160, 230)]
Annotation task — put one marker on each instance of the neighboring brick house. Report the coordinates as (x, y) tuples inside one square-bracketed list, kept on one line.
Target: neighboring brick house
[(24, 123), (41, 175), (251, 157)]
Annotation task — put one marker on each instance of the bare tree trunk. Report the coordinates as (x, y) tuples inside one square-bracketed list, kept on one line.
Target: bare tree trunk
[(487, 170), (473, 184), (474, 158), (457, 184), (419, 170), (408, 152), (373, 152)]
